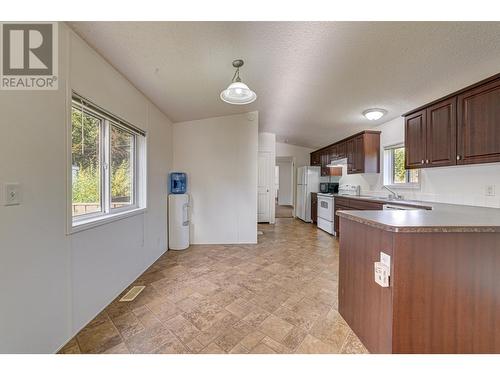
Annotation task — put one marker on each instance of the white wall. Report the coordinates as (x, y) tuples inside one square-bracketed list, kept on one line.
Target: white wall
[(286, 167), (219, 156), (457, 185), (59, 282), (301, 154)]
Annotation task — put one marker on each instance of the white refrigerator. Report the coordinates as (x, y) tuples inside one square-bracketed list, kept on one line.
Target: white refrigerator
[(307, 183)]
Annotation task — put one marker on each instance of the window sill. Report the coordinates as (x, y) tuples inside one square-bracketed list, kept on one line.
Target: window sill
[(82, 225)]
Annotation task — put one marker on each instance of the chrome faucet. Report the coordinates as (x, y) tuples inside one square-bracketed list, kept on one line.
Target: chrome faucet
[(393, 195)]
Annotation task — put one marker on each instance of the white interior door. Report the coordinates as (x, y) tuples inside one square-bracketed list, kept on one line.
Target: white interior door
[(264, 188)]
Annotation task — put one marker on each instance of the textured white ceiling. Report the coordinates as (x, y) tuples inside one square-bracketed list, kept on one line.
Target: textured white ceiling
[(313, 79)]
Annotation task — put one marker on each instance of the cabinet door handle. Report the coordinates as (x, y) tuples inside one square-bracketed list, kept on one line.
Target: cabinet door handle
[(427, 162), (423, 161), (458, 157)]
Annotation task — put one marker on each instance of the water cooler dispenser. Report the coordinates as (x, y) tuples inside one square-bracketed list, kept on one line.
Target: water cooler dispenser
[(178, 218)]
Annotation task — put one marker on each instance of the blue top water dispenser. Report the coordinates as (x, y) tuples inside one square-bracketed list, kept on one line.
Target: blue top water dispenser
[(178, 183)]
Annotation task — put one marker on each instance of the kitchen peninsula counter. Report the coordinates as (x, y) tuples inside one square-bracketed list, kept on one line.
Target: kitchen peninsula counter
[(444, 286)]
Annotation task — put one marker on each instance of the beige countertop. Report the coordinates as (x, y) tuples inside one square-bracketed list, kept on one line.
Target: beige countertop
[(435, 217)]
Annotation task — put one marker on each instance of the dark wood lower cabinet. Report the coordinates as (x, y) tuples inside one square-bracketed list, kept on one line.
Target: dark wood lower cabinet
[(345, 203), (443, 295), (364, 305), (314, 207), (336, 221)]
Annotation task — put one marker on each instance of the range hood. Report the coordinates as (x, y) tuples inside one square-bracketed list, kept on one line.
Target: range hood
[(336, 166)]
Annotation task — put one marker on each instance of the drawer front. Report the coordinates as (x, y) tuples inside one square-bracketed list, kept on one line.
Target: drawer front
[(364, 205), (326, 225), (357, 204), (342, 201)]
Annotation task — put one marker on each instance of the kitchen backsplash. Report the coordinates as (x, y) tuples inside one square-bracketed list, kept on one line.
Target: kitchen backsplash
[(456, 185), (330, 179)]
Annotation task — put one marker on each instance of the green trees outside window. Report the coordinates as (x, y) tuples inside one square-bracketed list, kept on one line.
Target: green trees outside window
[(399, 174), (87, 161)]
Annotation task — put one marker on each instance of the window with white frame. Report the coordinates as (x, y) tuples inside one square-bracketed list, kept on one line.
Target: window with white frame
[(394, 168), (106, 158)]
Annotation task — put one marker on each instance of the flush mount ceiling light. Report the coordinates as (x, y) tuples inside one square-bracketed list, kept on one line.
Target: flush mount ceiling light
[(237, 92), (374, 113)]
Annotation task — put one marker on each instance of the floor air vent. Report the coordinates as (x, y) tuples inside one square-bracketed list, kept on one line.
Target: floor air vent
[(132, 293)]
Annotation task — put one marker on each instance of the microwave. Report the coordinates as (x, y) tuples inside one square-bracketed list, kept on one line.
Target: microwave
[(329, 187)]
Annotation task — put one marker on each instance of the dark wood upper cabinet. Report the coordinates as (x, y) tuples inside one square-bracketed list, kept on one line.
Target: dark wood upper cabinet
[(315, 158), (341, 150), (359, 154), (441, 134), (415, 139), (461, 128), (350, 155), (479, 124), (362, 151), (325, 160), (371, 152), (334, 153)]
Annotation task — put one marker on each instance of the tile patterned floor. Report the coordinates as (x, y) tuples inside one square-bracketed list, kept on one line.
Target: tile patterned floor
[(279, 296), (283, 211)]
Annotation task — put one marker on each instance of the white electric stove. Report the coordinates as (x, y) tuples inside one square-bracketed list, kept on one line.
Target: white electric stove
[(326, 207)]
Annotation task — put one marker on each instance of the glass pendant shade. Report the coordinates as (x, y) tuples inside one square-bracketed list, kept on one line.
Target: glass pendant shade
[(238, 93)]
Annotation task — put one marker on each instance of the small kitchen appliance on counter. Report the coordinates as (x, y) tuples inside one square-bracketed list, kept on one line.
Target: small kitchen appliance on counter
[(329, 187)]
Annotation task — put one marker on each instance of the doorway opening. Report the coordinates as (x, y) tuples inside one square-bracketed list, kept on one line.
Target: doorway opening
[(284, 176)]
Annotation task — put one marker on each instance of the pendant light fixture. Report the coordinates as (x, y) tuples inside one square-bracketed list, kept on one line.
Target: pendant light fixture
[(237, 92)]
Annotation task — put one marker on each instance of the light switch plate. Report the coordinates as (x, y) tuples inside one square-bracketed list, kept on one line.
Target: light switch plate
[(12, 194)]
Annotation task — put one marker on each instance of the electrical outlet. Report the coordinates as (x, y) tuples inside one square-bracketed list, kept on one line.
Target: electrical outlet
[(12, 194), (490, 190), (381, 273)]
